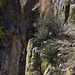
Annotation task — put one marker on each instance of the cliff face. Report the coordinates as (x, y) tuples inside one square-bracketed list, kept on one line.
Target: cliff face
[(13, 44), (61, 8), (19, 23)]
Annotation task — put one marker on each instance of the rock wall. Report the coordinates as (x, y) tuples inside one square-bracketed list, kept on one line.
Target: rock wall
[(33, 63), (12, 42), (18, 29), (61, 8), (65, 10)]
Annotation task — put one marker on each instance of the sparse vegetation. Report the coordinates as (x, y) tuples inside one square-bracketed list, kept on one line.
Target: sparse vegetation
[(52, 23), (49, 53), (41, 35)]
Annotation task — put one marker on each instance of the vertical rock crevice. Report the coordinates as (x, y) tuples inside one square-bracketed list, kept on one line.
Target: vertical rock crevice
[(13, 41), (28, 17), (67, 9)]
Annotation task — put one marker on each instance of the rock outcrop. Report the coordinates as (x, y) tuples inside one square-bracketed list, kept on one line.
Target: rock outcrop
[(37, 65), (33, 61)]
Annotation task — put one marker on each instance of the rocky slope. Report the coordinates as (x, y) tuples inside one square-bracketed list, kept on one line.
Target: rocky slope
[(37, 65)]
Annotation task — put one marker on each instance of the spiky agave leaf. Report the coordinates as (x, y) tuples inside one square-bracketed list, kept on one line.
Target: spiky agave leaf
[(53, 23), (49, 51), (41, 35)]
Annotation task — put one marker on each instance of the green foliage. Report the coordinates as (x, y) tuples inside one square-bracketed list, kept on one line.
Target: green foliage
[(49, 53), (41, 35), (52, 23)]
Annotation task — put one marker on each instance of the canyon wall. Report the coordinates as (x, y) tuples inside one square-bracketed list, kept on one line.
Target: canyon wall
[(65, 9), (19, 27)]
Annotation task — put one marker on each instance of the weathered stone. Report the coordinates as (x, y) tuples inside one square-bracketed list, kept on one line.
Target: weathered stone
[(60, 8), (72, 14), (23, 2), (19, 23), (49, 73), (36, 73), (72, 1), (44, 65), (73, 45), (36, 49), (33, 62), (47, 70), (15, 54)]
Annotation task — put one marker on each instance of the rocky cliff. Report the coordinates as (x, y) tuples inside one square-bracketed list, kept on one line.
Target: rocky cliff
[(18, 21), (62, 8)]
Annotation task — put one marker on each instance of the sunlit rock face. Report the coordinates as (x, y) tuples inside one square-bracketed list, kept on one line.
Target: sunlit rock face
[(13, 45), (33, 61), (22, 3), (61, 8), (15, 54), (72, 1)]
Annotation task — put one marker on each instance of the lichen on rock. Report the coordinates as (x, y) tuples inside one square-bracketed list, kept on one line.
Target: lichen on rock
[(32, 60)]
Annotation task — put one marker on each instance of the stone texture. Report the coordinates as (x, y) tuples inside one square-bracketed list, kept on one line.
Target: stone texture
[(15, 54), (19, 30), (61, 8), (20, 18), (12, 61), (22, 3), (72, 14), (47, 71), (33, 63)]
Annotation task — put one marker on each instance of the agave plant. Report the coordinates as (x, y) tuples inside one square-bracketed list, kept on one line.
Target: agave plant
[(41, 35), (49, 52), (53, 23)]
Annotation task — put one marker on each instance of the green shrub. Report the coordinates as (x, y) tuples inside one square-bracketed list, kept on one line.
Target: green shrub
[(52, 23), (49, 53), (41, 35)]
